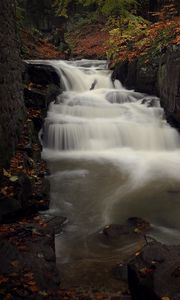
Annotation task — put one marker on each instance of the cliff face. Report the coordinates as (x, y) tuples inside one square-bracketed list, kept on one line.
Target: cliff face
[(11, 100), (169, 80), (160, 76)]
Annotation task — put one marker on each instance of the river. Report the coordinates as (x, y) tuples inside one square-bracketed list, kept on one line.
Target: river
[(112, 156)]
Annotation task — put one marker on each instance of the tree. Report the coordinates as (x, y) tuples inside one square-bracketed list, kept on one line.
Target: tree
[(11, 100)]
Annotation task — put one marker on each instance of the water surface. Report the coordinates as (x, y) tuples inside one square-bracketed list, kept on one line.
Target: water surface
[(112, 156)]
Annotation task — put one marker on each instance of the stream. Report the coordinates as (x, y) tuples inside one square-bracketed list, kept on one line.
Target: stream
[(112, 156)]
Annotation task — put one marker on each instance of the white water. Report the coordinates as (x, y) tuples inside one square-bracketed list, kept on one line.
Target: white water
[(112, 156)]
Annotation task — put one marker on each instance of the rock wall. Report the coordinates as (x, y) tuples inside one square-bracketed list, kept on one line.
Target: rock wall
[(169, 85), (156, 76), (11, 100), (139, 75)]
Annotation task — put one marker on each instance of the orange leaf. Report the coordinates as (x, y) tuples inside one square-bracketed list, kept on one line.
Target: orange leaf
[(3, 279)]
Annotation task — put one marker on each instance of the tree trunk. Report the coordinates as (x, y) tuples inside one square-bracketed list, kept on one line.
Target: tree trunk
[(11, 97)]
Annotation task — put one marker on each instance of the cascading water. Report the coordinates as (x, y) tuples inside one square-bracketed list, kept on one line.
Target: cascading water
[(112, 156)]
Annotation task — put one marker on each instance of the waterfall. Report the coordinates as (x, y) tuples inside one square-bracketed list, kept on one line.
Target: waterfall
[(105, 117), (111, 152)]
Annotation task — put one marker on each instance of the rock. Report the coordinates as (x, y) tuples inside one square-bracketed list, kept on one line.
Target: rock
[(133, 227), (155, 75), (23, 190), (120, 72), (40, 74), (155, 273), (138, 75), (42, 85), (55, 223), (120, 272), (169, 84), (28, 149), (29, 254), (8, 206), (138, 223)]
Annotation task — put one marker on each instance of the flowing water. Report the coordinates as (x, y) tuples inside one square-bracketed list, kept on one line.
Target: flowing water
[(112, 156)]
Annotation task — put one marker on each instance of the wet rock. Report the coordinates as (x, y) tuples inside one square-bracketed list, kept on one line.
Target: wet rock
[(40, 74), (55, 223), (28, 253), (28, 149), (139, 223), (38, 123), (133, 227), (23, 190), (120, 72), (138, 75), (8, 206), (42, 85), (45, 187), (150, 101), (155, 273), (156, 75), (120, 272)]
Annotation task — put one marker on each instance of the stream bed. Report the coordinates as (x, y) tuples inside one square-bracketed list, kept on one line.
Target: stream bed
[(112, 156)]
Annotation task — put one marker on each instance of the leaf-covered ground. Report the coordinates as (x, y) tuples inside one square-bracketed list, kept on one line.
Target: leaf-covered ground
[(88, 41), (34, 47)]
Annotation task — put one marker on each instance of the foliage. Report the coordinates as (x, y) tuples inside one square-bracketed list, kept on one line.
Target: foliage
[(118, 7), (61, 7), (105, 7), (142, 39), (125, 33)]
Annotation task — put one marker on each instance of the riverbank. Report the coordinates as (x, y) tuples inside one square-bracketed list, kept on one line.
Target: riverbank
[(27, 237)]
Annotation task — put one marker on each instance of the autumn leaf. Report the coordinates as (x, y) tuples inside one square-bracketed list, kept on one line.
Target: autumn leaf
[(15, 263), (6, 173), (8, 297), (43, 293), (13, 178), (3, 279), (34, 288), (29, 276)]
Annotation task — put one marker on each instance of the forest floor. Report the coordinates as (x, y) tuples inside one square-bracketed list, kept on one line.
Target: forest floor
[(87, 42), (38, 47)]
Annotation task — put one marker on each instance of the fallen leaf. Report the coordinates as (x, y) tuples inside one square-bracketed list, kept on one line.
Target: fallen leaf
[(6, 173), (3, 279), (43, 293), (15, 263), (136, 230), (34, 288), (29, 275), (13, 178), (8, 297)]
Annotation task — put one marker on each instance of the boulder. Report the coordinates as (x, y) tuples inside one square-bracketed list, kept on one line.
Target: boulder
[(155, 273), (40, 74), (42, 85), (138, 74)]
